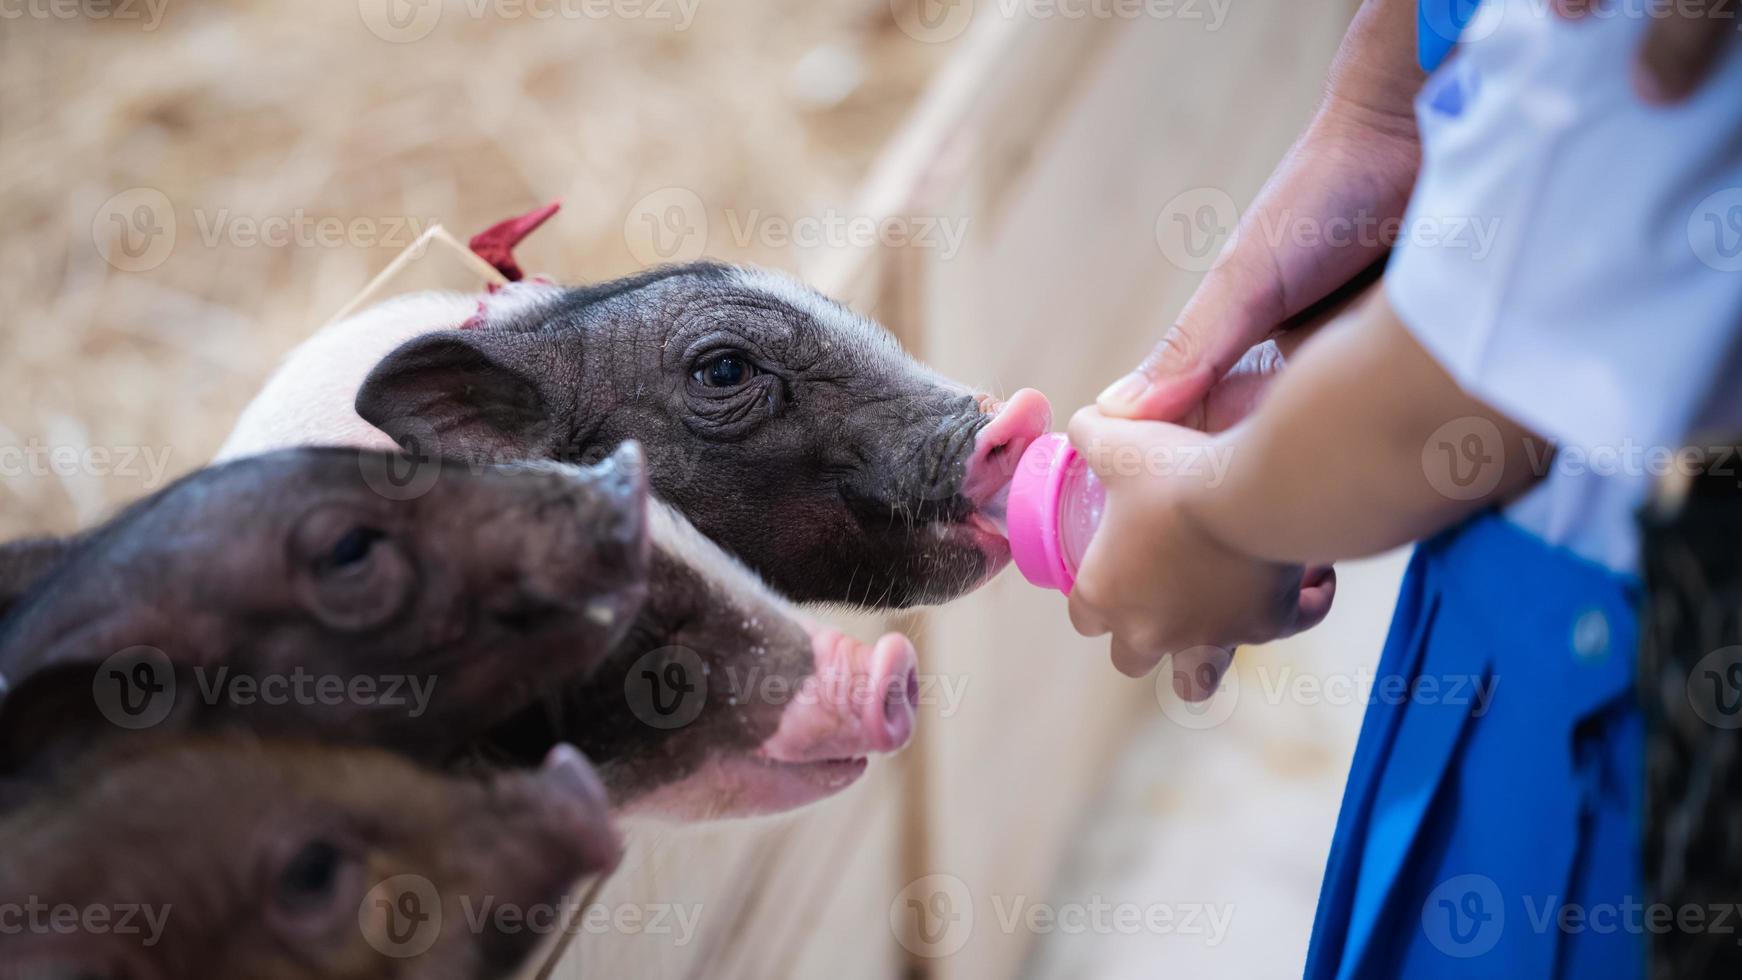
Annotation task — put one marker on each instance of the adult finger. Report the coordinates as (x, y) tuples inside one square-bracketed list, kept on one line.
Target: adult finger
[(1176, 375)]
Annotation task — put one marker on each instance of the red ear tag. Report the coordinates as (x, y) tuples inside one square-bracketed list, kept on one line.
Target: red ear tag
[(495, 244)]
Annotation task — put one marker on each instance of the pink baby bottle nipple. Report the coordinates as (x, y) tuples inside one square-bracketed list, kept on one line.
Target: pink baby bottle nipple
[(1054, 505)]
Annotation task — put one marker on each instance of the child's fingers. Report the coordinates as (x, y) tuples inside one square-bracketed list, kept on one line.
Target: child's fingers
[(1133, 661), (1085, 618), (1197, 672), (1318, 590)]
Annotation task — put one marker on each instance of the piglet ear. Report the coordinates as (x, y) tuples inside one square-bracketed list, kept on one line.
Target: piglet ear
[(25, 563), (462, 390)]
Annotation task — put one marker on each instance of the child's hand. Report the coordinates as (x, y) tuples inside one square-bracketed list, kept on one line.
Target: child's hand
[(1157, 579)]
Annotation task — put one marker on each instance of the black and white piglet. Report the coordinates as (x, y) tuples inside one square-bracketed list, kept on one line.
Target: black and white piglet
[(229, 856), (794, 432), (317, 589)]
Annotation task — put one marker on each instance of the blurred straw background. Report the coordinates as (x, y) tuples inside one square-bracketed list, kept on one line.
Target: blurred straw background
[(255, 118)]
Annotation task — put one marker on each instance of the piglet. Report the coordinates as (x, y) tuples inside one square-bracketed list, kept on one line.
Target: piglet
[(228, 856), (794, 432), (379, 600), (724, 700)]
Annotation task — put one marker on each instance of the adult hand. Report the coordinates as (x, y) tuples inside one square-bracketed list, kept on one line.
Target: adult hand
[(1328, 214)]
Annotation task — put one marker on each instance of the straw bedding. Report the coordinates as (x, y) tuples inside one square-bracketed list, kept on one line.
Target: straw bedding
[(296, 151)]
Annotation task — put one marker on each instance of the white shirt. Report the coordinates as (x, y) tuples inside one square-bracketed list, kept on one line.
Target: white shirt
[(1573, 257)]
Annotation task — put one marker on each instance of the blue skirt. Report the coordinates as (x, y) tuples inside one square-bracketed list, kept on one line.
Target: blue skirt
[(1489, 825)]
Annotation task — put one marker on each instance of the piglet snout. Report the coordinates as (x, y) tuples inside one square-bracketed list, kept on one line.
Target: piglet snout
[(1026, 416), (860, 700)]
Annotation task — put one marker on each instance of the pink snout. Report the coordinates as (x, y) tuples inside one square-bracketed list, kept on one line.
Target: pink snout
[(1026, 416), (860, 700)]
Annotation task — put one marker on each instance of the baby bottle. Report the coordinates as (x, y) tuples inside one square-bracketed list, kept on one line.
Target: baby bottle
[(1053, 506)]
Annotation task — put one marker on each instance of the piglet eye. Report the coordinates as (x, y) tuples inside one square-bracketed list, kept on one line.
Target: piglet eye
[(311, 876), (724, 371), (353, 547)]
